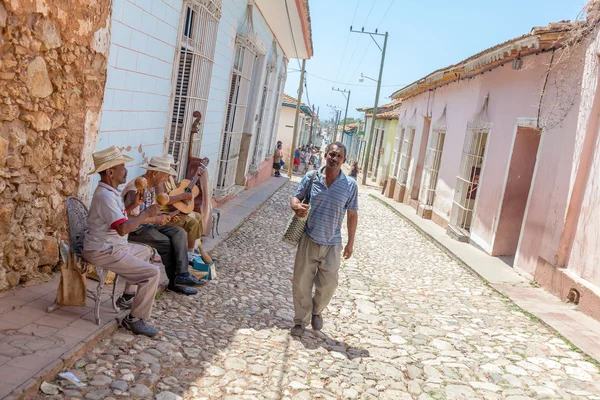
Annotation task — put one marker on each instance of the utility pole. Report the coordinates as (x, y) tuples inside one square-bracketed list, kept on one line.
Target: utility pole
[(374, 114), (312, 120), (336, 121), (296, 124), (346, 113)]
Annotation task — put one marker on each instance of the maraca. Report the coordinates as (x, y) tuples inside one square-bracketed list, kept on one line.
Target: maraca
[(162, 199), (141, 183)]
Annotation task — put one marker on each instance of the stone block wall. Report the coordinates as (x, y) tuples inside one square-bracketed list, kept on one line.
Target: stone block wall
[(53, 60)]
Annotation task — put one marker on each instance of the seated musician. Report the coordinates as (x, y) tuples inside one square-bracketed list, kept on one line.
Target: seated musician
[(192, 222), (106, 243), (169, 241)]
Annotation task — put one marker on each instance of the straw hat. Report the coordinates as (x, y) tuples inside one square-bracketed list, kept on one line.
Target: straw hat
[(108, 158), (170, 158), (160, 164)]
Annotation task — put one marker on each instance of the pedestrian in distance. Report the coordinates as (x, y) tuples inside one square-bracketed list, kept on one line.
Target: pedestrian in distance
[(277, 158), (297, 158), (331, 196)]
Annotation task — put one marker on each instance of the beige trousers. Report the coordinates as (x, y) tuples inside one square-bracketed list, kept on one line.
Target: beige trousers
[(191, 224), (131, 263), (317, 265)]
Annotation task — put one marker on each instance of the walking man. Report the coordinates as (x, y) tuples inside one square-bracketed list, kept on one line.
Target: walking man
[(332, 195)]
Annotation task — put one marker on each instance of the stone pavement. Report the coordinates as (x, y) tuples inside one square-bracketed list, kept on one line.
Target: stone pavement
[(35, 346), (579, 328), (407, 322)]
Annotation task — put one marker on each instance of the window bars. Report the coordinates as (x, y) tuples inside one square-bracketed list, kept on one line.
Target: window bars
[(371, 166), (379, 148), (261, 121), (237, 103), (191, 79), (397, 152), (405, 156), (471, 165), (433, 160), (276, 109)]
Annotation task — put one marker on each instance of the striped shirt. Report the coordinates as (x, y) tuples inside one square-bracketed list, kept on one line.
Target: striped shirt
[(328, 205)]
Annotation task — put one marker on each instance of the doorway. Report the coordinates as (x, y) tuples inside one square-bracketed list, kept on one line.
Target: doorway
[(518, 183)]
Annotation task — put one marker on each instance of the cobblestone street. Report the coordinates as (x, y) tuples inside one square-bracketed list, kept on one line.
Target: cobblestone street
[(407, 322)]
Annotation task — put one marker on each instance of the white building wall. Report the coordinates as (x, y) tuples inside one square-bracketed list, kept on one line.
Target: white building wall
[(285, 129), (138, 85), (139, 81), (233, 16)]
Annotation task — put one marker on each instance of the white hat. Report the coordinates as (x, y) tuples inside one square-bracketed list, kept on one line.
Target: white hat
[(170, 158), (108, 158), (160, 164)]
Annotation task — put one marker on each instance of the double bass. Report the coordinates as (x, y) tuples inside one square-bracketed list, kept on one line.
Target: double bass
[(195, 168)]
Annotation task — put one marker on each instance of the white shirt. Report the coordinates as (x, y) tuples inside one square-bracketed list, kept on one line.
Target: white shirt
[(106, 213)]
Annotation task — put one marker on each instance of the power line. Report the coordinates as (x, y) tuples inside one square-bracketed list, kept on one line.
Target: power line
[(292, 32), (307, 97), (385, 14), (369, 14), (337, 74), (358, 41), (347, 39), (352, 84), (361, 60)]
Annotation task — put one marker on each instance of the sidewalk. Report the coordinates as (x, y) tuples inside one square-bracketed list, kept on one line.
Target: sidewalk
[(580, 329), (35, 345)]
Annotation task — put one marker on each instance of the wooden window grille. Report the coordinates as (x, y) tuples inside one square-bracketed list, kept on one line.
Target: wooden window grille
[(261, 122), (405, 155), (397, 153), (471, 165), (196, 48), (379, 151), (237, 104), (433, 160), (277, 108)]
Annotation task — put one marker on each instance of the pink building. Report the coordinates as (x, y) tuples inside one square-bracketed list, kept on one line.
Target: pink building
[(501, 149)]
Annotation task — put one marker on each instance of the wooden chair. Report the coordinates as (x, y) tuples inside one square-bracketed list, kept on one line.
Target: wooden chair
[(77, 214)]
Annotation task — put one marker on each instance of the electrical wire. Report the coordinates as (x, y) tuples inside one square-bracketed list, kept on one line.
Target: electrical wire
[(337, 74), (358, 41), (369, 14), (361, 60), (292, 32), (385, 14), (351, 84)]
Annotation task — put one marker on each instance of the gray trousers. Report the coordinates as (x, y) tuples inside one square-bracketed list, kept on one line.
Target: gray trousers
[(317, 265), (171, 244), (130, 262)]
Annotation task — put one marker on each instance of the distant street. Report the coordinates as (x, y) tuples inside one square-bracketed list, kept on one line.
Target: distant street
[(407, 322)]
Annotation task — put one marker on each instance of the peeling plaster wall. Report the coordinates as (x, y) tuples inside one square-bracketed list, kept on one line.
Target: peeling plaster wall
[(52, 75)]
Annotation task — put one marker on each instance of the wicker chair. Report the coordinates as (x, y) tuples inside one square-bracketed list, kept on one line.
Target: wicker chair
[(77, 214)]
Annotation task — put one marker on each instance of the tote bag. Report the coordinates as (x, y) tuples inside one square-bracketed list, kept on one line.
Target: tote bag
[(72, 288), (296, 225)]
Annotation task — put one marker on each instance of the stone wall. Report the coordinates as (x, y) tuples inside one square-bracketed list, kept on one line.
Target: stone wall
[(53, 59)]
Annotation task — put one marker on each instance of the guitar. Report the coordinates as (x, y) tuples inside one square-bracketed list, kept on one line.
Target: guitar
[(187, 186)]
